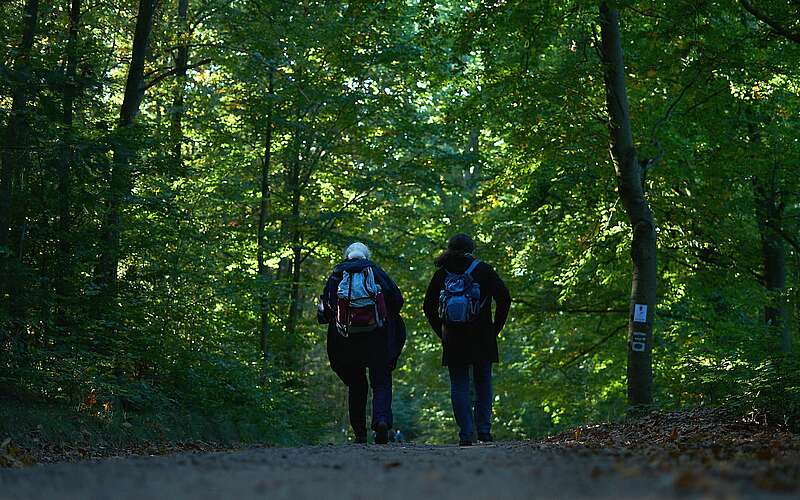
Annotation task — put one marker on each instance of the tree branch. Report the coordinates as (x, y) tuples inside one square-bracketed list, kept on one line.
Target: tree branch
[(775, 25), (335, 217), (575, 310), (593, 347), (591, 311), (155, 81), (791, 240)]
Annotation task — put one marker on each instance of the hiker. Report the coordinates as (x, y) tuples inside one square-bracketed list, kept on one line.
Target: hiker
[(458, 305), (361, 306)]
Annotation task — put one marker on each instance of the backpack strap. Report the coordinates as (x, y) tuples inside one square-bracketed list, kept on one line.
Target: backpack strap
[(366, 272), (472, 267), (349, 296)]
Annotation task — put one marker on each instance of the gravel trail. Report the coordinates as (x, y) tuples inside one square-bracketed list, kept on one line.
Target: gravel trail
[(395, 471)]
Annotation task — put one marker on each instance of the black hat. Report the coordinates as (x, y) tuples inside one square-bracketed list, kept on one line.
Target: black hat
[(461, 243)]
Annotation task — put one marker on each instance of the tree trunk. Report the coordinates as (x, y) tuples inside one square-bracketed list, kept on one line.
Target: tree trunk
[(264, 215), (13, 151), (630, 184), (769, 210), (472, 167), (120, 182), (297, 257), (15, 159), (294, 299), (64, 260), (181, 63)]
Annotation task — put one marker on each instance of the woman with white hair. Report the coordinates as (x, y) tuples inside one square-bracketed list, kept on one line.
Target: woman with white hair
[(361, 306)]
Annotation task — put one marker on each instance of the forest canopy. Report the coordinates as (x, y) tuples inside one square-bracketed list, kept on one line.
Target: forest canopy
[(178, 177)]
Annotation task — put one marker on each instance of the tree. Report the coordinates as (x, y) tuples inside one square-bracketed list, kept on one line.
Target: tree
[(264, 218), (62, 282), (15, 161), (181, 66), (770, 213), (120, 178), (630, 172)]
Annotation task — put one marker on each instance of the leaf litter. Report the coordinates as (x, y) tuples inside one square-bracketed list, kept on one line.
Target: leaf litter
[(700, 450)]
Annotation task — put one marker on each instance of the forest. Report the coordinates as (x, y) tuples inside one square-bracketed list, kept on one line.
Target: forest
[(178, 178)]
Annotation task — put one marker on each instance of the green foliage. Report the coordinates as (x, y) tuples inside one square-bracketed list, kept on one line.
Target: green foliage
[(394, 123)]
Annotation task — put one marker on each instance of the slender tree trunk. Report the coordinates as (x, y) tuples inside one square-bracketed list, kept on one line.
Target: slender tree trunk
[(64, 260), (297, 257), (13, 151), (294, 304), (178, 104), (176, 112), (472, 168), (295, 235), (769, 210), (775, 282), (120, 182), (630, 184), (264, 215), (15, 160)]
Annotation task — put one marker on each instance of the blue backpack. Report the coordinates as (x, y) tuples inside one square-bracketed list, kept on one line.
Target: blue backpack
[(460, 300)]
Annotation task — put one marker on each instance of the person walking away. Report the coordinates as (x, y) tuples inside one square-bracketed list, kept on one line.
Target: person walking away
[(458, 306), (361, 306)]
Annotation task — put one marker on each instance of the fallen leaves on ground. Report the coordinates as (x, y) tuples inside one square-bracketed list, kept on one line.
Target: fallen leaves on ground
[(14, 455), (702, 449)]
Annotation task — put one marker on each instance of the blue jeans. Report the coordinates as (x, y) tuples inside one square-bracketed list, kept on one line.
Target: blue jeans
[(467, 413), (380, 378)]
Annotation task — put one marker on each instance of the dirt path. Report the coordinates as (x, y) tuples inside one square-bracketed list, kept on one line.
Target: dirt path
[(408, 472)]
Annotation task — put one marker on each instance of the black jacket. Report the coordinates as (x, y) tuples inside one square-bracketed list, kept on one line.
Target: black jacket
[(383, 346), (478, 341)]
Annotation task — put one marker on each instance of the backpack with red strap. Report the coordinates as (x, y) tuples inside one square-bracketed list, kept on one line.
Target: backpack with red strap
[(360, 304)]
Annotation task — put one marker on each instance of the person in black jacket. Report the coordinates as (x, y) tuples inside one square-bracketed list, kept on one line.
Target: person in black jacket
[(473, 344), (377, 351)]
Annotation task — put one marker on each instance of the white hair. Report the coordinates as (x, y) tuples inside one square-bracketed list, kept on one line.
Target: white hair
[(357, 250)]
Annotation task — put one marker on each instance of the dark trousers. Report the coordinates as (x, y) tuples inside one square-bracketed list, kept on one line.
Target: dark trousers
[(468, 413), (380, 378)]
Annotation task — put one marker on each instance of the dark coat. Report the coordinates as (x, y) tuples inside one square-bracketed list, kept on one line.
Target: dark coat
[(477, 342), (379, 347)]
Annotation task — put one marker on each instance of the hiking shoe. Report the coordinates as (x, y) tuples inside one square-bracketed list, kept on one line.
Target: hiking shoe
[(361, 439), (485, 437), (464, 442), (381, 433)]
